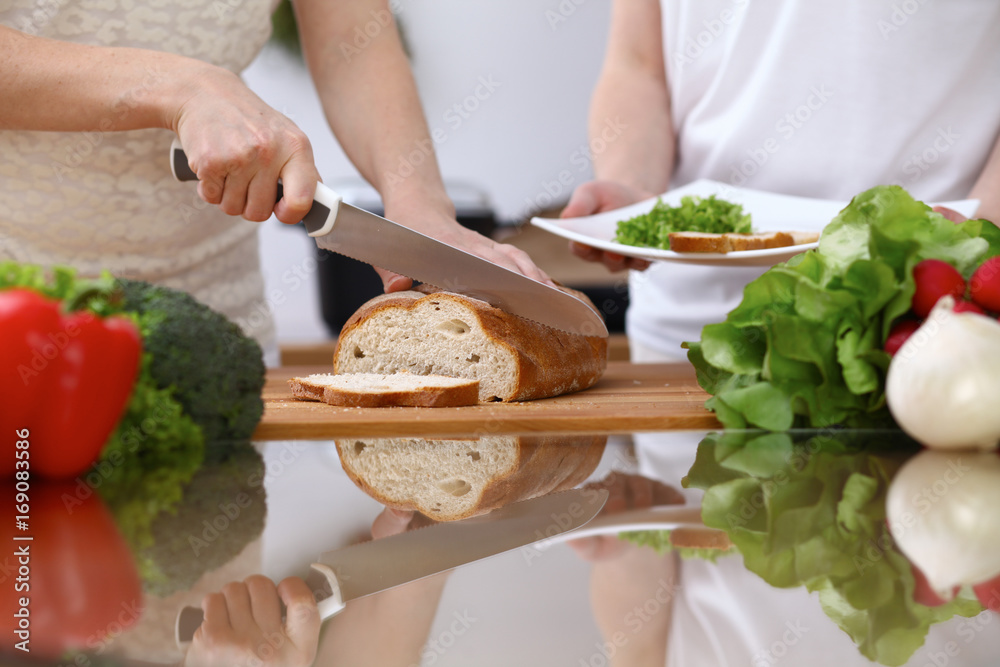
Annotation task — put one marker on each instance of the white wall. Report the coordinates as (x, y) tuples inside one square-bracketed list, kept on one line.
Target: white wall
[(528, 128), (525, 129)]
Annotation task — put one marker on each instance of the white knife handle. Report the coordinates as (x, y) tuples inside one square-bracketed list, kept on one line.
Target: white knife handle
[(190, 618), (334, 604), (329, 200), (318, 221)]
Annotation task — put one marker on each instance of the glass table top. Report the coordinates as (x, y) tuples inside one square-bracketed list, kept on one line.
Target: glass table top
[(712, 548)]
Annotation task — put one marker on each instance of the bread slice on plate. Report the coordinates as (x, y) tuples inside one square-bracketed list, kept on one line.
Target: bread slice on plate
[(443, 333), (453, 479), (370, 390), (724, 243)]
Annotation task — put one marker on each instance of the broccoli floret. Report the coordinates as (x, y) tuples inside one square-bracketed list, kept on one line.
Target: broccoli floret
[(215, 370)]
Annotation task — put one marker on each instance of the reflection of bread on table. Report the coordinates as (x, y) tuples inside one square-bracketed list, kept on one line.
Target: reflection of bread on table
[(454, 479)]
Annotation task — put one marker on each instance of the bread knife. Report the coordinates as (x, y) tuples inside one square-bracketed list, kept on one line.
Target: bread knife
[(337, 577), (369, 238)]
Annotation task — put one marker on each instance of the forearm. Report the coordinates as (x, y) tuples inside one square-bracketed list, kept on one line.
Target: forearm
[(632, 96), (51, 85), (642, 156), (632, 597), (371, 99), (388, 629), (987, 187)]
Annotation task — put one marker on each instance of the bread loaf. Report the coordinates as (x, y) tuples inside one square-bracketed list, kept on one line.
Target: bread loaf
[(724, 243), (369, 390), (449, 480), (450, 334)]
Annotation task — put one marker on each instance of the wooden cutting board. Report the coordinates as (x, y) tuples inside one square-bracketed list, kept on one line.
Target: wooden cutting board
[(630, 397)]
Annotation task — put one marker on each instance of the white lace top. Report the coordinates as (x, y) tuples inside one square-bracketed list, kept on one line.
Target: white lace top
[(106, 199)]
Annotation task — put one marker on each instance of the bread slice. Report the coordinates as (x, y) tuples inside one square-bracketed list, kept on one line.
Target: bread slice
[(724, 243), (450, 334), (368, 390), (454, 479), (690, 537), (798, 238)]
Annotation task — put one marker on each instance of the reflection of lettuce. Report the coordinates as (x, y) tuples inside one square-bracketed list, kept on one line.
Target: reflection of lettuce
[(813, 514), (659, 540), (804, 347), (149, 458), (182, 520)]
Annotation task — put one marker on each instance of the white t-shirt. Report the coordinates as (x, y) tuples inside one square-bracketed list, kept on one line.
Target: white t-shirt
[(817, 99)]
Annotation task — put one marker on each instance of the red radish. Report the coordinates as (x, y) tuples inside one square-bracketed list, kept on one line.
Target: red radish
[(968, 307), (985, 284), (935, 279), (922, 591), (988, 593), (899, 333)]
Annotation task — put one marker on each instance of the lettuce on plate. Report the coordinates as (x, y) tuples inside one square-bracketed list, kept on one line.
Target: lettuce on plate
[(809, 511), (694, 214), (804, 347)]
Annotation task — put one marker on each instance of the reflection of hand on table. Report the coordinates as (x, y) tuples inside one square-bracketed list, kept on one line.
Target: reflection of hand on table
[(243, 622), (357, 636), (392, 521), (243, 625), (625, 492)]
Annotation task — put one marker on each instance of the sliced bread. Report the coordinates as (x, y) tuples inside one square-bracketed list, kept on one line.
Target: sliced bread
[(691, 537), (724, 243), (450, 334), (454, 479), (369, 390)]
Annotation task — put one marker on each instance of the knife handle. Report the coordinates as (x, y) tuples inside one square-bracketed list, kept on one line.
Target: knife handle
[(190, 618), (318, 221)]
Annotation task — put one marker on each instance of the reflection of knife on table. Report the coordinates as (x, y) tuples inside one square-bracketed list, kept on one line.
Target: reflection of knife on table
[(349, 578), (356, 638)]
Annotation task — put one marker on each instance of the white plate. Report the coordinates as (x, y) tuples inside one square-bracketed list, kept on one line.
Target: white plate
[(770, 213)]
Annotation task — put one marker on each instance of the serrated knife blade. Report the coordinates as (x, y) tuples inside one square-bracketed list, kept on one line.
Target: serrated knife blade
[(347, 230)]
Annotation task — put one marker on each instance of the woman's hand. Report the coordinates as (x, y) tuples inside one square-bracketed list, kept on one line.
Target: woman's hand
[(951, 214), (243, 625), (625, 492), (393, 521), (598, 197), (240, 147)]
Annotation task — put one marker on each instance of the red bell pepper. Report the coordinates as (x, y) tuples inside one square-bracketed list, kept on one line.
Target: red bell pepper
[(65, 378), (74, 585)]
